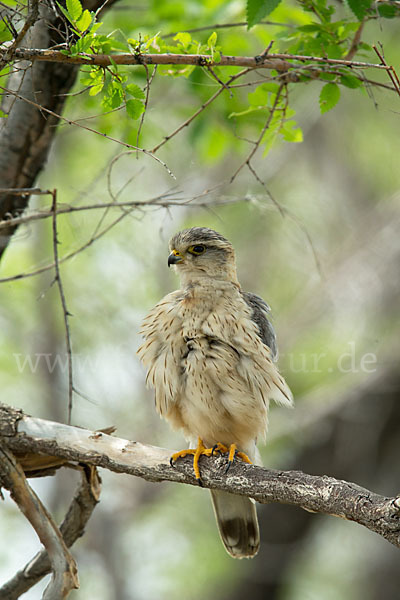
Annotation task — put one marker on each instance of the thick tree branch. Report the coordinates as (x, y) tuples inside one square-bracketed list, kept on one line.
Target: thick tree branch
[(322, 494)]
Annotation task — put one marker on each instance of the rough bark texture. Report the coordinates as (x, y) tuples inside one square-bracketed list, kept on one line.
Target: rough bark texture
[(320, 494), (26, 135)]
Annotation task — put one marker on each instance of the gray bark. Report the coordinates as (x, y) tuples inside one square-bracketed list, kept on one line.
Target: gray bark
[(320, 494)]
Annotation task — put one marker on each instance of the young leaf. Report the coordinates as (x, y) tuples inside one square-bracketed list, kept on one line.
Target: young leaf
[(135, 91), (74, 8), (96, 89), (292, 133), (183, 38), (134, 108), (84, 21), (359, 7), (258, 9), (329, 97), (212, 40)]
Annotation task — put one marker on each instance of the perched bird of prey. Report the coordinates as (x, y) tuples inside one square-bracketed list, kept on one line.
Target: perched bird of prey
[(209, 349)]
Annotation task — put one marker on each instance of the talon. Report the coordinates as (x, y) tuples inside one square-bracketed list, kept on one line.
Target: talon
[(228, 466), (233, 453)]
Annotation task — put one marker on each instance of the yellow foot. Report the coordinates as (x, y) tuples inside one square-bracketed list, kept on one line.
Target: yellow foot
[(232, 452), (196, 452)]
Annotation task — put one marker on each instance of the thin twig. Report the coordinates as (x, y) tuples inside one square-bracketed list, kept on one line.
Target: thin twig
[(227, 26), (66, 313), (200, 110), (32, 16), (93, 239), (104, 135), (149, 81), (260, 137), (390, 69)]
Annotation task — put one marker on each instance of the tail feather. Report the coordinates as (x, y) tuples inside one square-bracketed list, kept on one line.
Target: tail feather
[(237, 523)]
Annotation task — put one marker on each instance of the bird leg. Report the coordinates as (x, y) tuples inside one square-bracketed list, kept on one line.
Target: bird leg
[(196, 452), (232, 452)]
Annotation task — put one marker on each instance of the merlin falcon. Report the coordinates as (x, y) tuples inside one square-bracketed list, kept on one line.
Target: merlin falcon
[(210, 354)]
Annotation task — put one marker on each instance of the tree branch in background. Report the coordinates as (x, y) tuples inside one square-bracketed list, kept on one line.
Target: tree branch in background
[(314, 493), (63, 567), (72, 528)]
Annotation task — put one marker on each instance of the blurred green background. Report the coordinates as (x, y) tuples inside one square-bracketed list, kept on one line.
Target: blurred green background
[(329, 268)]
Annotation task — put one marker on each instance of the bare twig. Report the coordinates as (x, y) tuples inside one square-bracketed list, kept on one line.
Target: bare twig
[(72, 528), (63, 567), (149, 81), (228, 26), (104, 135), (66, 313), (32, 16), (92, 239), (257, 143), (315, 493), (390, 69), (200, 110)]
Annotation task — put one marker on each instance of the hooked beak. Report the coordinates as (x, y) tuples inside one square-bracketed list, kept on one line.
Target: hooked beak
[(174, 258)]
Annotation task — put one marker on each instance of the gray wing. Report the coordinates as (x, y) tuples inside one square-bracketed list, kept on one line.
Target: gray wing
[(260, 310)]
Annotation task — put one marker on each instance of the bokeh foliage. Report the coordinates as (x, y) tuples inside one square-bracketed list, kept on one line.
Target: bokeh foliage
[(327, 266)]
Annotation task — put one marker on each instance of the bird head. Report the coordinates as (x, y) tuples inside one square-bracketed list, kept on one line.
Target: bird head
[(202, 252)]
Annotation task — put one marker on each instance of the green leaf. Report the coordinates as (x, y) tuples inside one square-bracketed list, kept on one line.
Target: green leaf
[(212, 40), (135, 91), (387, 11), (256, 10), (5, 33), (3, 115), (261, 94), (65, 13), (350, 81), (292, 133), (84, 21), (329, 97), (74, 8), (96, 89), (134, 108), (359, 7), (184, 39), (82, 45)]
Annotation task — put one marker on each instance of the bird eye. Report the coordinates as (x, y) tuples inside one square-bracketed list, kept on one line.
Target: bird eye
[(199, 249)]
